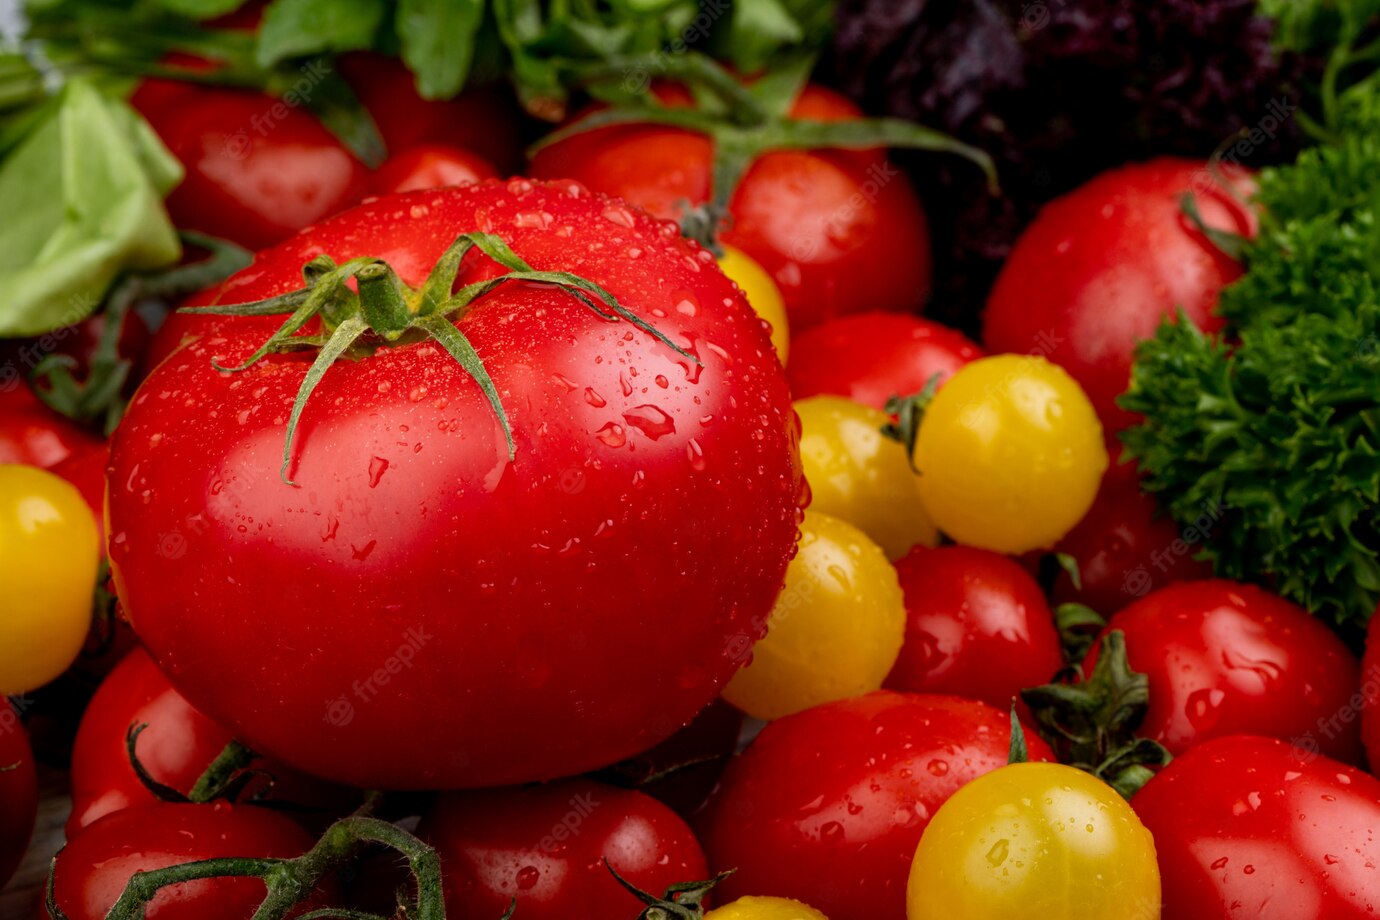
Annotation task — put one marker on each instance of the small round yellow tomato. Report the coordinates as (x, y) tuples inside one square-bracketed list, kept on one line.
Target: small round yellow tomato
[(761, 292), (835, 630), (48, 562), (765, 909), (861, 476), (1038, 840), (1010, 454)]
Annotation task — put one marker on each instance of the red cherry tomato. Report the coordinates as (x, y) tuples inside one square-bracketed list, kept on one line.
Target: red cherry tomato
[(482, 615), (1125, 548), (828, 805), (682, 770), (1370, 691), (483, 119), (18, 792), (86, 471), (175, 749), (1099, 268), (839, 231), (92, 871), (546, 846), (977, 626), (33, 434), (871, 357), (1251, 828), (258, 169), (1225, 659), (430, 166)]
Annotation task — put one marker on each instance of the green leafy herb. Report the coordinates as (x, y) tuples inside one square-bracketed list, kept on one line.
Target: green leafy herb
[(294, 28), (438, 42), (83, 200)]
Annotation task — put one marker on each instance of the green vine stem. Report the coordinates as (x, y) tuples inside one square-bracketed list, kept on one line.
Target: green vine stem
[(288, 881)]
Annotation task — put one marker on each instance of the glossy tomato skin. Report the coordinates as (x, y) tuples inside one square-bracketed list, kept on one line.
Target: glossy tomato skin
[(546, 846), (977, 626), (827, 806), (648, 518), (94, 868), (1125, 547), (484, 119), (1099, 268), (30, 432), (871, 357), (1226, 659), (430, 166), (840, 231), (175, 749), (1249, 827), (18, 792), (257, 169)]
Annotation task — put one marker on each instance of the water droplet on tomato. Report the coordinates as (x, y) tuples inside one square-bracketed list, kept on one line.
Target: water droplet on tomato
[(1204, 708), (377, 467), (527, 878), (612, 434), (651, 421), (695, 453), (1219, 863), (619, 215), (594, 399), (938, 767), (997, 854)]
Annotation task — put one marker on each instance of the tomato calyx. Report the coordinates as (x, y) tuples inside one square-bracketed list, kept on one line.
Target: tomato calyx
[(909, 412), (681, 901), (1078, 626), (291, 881), (744, 120), (1091, 721), (385, 312)]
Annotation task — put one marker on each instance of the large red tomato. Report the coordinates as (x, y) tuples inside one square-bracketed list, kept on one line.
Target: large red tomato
[(828, 805), (18, 792), (545, 846), (258, 169), (871, 357), (421, 610), (92, 871), (840, 231), (977, 626), (1225, 659), (1100, 268), (1251, 828)]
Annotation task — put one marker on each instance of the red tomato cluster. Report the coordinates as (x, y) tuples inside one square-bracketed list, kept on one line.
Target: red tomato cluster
[(514, 508)]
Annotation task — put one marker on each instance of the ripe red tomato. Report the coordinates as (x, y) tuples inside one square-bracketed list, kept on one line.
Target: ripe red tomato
[(176, 748), (430, 166), (33, 434), (840, 231), (1099, 268), (1370, 691), (1226, 659), (1251, 828), (483, 119), (86, 471), (977, 626), (258, 169), (682, 770), (546, 846), (871, 357), (828, 805), (92, 871), (441, 615), (18, 792), (1125, 548)]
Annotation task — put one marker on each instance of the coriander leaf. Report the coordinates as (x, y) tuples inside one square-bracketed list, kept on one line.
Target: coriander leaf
[(82, 195), (438, 42), (294, 28)]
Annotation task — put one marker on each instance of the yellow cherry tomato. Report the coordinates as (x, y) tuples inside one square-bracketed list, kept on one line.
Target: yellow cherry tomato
[(1035, 840), (48, 561), (1010, 454), (861, 476), (761, 291), (835, 630), (765, 909)]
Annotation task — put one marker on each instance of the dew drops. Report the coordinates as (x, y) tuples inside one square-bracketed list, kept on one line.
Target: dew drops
[(619, 215), (998, 853), (612, 435), (362, 552), (527, 878), (594, 399), (695, 454), (651, 421), (377, 467)]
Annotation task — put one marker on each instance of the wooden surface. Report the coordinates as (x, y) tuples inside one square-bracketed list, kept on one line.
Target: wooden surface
[(20, 898)]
